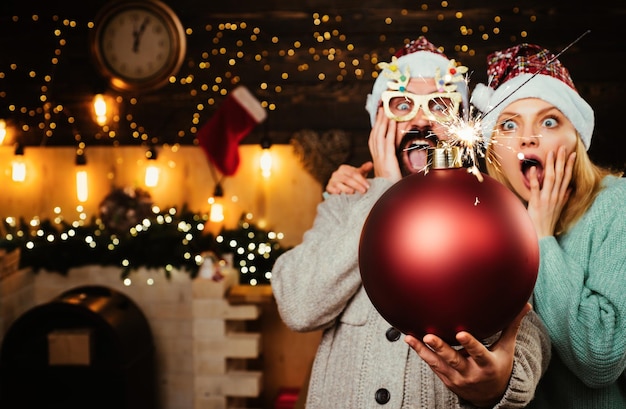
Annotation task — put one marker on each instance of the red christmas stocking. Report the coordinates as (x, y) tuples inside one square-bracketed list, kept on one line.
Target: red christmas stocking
[(219, 137)]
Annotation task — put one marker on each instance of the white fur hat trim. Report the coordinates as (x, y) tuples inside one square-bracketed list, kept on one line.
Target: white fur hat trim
[(544, 87)]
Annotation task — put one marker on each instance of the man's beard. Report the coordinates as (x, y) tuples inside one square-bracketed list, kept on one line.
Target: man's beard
[(412, 153)]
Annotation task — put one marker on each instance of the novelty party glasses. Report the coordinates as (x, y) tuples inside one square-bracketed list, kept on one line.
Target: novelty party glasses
[(403, 106)]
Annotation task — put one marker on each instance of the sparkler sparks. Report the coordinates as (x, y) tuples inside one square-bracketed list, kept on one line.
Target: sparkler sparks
[(465, 133)]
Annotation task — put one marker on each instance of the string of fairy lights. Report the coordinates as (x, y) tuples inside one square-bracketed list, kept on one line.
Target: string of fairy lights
[(324, 51), (156, 239), (234, 50)]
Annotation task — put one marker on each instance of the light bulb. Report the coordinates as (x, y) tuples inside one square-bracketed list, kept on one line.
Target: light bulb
[(152, 170), (152, 175), (217, 212), (18, 167), (100, 109), (216, 215), (18, 173), (266, 163), (82, 188)]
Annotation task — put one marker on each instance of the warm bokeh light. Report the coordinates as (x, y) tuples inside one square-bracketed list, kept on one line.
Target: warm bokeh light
[(265, 163), (49, 198), (3, 130), (18, 173), (100, 109), (152, 175), (322, 50), (217, 212), (82, 187)]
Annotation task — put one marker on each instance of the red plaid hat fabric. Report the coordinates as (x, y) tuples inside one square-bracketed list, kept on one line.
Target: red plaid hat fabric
[(530, 71), (524, 59), (420, 44)]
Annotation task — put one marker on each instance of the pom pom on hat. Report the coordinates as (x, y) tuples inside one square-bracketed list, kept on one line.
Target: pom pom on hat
[(529, 71), (423, 60), (481, 96), (219, 137), (421, 44)]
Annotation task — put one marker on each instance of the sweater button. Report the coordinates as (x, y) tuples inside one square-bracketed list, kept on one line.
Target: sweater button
[(382, 396), (392, 334)]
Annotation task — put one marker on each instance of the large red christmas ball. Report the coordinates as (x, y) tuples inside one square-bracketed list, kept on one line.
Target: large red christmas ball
[(443, 252)]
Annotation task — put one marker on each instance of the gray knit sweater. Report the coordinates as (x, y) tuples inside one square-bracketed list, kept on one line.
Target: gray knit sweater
[(359, 363)]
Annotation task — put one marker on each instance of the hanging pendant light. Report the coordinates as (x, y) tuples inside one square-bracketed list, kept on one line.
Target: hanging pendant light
[(216, 214), (266, 159), (152, 170), (82, 186)]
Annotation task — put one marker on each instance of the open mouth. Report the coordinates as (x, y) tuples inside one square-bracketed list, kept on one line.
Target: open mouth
[(415, 150), (528, 163)]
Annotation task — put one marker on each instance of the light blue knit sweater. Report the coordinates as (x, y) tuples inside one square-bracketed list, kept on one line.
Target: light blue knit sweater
[(581, 296)]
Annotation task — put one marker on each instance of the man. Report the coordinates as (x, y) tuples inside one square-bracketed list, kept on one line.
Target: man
[(362, 361), (437, 90)]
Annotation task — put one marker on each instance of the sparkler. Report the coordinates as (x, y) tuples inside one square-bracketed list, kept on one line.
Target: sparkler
[(466, 133)]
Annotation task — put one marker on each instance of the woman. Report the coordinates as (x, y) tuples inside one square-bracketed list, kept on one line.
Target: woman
[(538, 148)]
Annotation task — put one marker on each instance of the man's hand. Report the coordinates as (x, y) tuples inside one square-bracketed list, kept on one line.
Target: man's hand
[(475, 373), (382, 144)]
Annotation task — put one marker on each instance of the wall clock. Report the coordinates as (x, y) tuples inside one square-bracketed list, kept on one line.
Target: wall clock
[(138, 45)]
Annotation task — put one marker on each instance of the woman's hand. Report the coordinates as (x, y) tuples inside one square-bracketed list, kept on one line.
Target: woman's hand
[(547, 202), (348, 179), (382, 145), (475, 373)]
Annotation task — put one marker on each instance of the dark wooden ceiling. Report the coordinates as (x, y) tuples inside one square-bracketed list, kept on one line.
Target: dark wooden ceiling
[(294, 58)]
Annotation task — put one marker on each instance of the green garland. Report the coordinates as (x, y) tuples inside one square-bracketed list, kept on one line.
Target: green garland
[(171, 240)]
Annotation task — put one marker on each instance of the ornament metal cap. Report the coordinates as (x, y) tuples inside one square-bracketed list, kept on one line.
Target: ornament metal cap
[(447, 157)]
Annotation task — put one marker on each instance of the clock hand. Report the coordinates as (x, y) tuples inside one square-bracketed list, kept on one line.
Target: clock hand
[(135, 41), (137, 33)]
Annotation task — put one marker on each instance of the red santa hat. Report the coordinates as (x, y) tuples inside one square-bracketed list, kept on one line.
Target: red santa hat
[(530, 71), (219, 137)]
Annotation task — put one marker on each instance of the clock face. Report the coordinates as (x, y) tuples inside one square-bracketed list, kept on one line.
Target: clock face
[(139, 45)]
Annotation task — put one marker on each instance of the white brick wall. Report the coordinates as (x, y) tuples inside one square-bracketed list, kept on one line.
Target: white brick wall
[(199, 337)]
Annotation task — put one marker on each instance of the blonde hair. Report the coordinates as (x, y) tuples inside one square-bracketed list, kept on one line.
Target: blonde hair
[(586, 183)]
